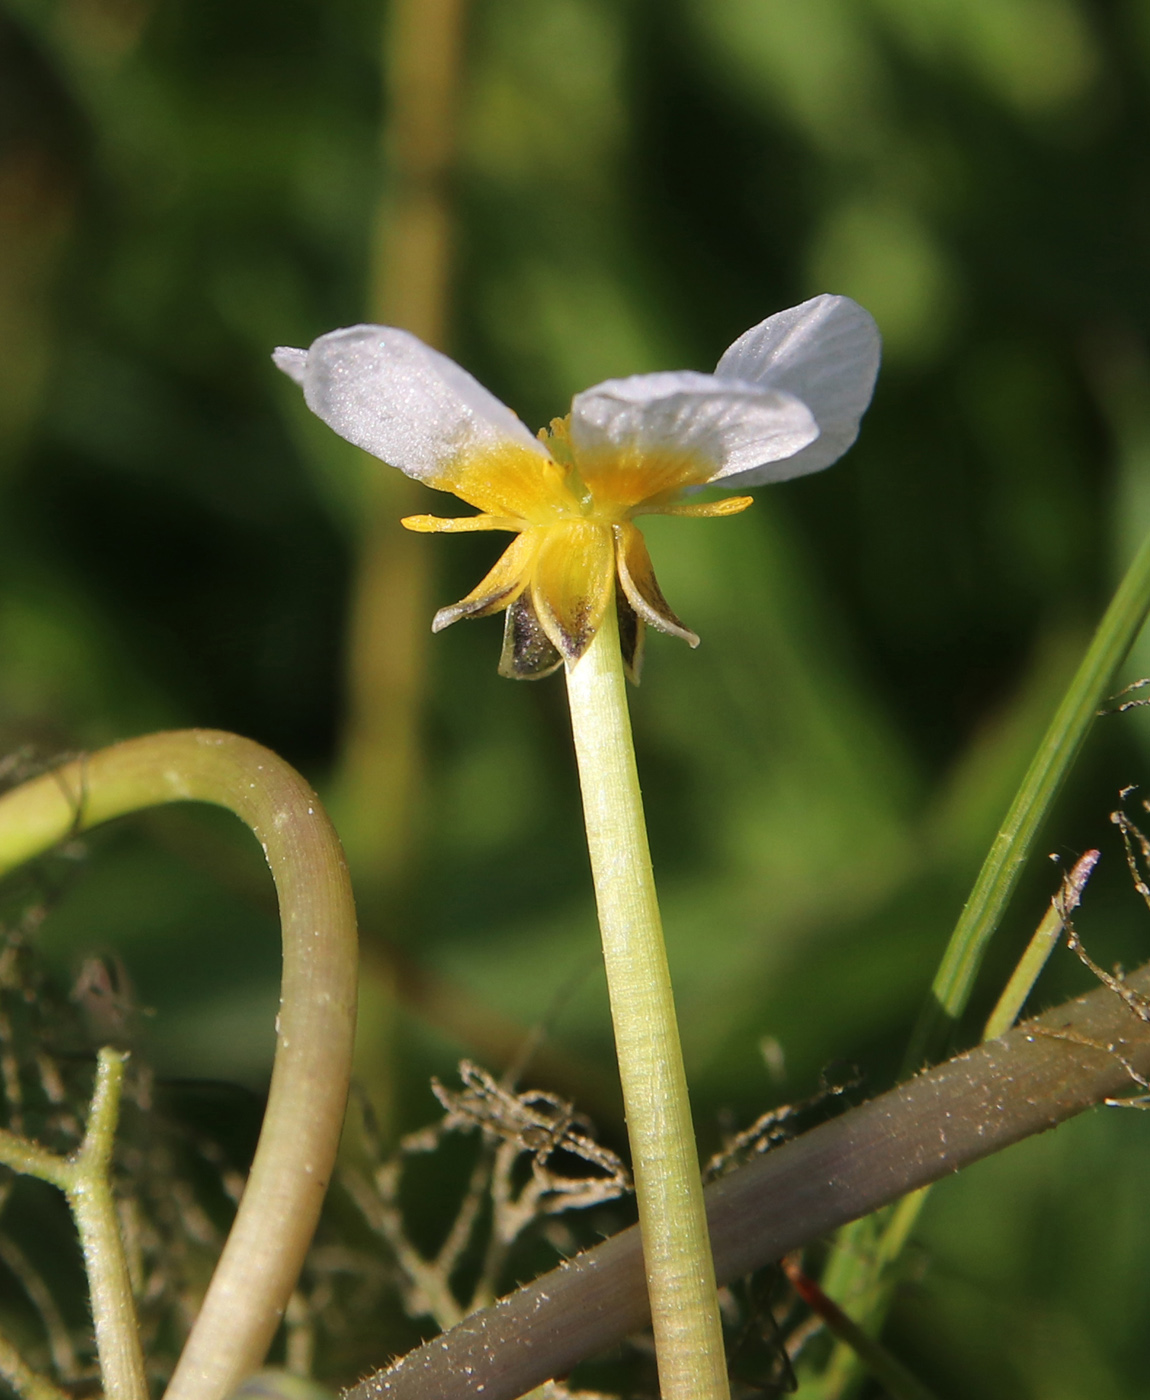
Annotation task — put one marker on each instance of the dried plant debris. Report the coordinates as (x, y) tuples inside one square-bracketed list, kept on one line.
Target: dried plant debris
[(501, 1199), (1137, 848), (175, 1188), (780, 1124), (543, 1125), (1138, 703)]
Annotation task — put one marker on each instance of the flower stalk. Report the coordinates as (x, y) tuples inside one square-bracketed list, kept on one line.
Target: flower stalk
[(676, 1246), (578, 589)]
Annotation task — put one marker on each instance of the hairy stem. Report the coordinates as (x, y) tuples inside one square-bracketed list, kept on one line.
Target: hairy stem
[(85, 1178), (862, 1268), (315, 1027), (93, 1207), (676, 1248), (1040, 1074)]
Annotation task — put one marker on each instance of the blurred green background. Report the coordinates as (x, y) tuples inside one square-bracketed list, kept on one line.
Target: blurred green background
[(185, 184)]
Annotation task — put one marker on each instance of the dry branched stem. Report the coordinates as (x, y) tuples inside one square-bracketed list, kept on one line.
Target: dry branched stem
[(775, 1126), (536, 1124)]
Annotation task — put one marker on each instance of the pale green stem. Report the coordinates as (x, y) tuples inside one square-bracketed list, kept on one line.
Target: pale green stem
[(85, 1178), (1043, 942), (1006, 858), (676, 1247), (94, 1211), (315, 1027)]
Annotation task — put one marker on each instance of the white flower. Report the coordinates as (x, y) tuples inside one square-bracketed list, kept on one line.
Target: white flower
[(784, 400)]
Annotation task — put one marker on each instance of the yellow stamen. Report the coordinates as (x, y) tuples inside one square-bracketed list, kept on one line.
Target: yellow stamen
[(556, 438), (730, 505), (459, 525), (572, 512)]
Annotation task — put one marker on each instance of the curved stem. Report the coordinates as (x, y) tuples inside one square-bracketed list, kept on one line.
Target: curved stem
[(676, 1247), (315, 1027)]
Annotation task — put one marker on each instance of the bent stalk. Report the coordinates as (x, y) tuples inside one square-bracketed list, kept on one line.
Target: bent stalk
[(314, 1030)]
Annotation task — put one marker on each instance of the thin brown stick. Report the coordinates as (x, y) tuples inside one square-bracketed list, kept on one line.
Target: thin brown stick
[(1041, 1074)]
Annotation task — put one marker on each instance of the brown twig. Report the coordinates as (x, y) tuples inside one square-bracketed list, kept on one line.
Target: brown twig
[(935, 1124)]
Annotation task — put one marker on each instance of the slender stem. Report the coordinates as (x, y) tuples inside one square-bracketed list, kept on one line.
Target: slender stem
[(676, 1247), (94, 1210), (315, 1027), (863, 1250), (1059, 748), (1043, 942), (30, 1159), (376, 795), (85, 1178), (862, 1262)]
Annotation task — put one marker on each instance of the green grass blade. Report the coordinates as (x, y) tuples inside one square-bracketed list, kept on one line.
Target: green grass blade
[(1000, 871)]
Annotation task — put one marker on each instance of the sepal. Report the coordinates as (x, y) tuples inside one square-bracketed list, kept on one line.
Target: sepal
[(528, 653)]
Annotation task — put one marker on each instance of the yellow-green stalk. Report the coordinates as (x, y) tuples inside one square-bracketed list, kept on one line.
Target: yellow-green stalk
[(314, 1032), (85, 1178), (676, 1247)]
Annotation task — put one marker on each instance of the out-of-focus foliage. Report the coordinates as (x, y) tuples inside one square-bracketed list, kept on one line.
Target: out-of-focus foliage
[(185, 184)]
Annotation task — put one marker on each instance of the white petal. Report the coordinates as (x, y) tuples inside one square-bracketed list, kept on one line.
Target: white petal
[(403, 402), (732, 426), (825, 352), (292, 362)]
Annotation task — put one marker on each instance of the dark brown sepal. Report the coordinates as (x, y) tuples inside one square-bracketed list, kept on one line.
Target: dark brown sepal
[(528, 652), (632, 630)]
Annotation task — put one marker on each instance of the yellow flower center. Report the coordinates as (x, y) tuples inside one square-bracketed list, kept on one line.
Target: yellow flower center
[(572, 513)]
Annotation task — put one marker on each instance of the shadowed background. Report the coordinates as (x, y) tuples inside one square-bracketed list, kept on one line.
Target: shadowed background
[(605, 187)]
